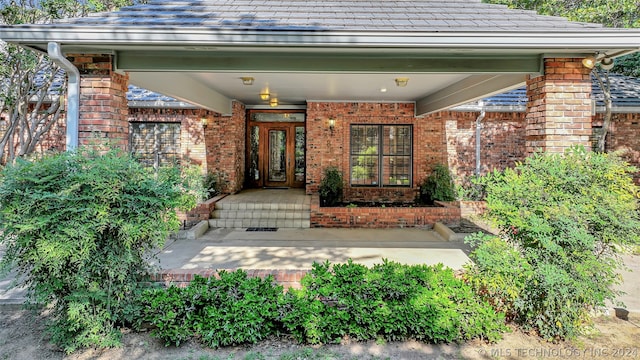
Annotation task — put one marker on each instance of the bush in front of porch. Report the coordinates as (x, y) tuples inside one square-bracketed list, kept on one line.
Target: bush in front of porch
[(562, 221), (78, 227)]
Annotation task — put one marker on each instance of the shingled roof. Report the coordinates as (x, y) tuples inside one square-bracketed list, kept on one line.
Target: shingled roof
[(625, 96), (350, 15)]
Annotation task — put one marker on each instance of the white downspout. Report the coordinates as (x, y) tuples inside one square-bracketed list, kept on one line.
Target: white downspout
[(73, 93), (478, 133)]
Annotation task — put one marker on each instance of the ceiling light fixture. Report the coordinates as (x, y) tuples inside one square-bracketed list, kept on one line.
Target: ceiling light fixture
[(264, 94), (589, 62), (402, 81), (383, 90), (273, 102), (247, 80)]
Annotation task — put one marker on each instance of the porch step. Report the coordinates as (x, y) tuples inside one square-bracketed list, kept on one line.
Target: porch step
[(263, 209)]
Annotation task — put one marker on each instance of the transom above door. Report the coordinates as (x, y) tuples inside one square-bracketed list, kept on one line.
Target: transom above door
[(276, 149)]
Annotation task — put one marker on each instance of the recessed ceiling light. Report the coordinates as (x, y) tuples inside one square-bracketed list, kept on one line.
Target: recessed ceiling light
[(383, 89)]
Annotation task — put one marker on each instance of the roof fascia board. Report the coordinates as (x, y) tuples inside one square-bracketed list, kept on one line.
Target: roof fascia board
[(549, 39), (184, 88), (470, 89), (291, 62)]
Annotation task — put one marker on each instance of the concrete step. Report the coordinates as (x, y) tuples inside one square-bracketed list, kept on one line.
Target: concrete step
[(261, 206), (262, 214), (260, 223)]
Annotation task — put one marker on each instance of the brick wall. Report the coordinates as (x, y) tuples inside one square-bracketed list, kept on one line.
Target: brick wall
[(331, 148), (103, 103), (624, 137), (559, 106), (502, 141), (378, 217), (226, 139)]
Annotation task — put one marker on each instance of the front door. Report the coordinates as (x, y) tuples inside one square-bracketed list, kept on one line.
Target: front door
[(276, 154), (280, 162)]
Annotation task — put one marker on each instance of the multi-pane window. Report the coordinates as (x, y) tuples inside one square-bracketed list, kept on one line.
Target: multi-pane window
[(381, 155), (155, 144)]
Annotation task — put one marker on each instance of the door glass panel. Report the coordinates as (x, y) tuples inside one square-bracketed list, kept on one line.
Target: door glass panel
[(277, 155), (300, 158), (254, 140)]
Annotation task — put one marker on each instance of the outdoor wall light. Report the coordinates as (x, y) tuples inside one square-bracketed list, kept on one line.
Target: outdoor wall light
[(204, 121), (607, 63), (264, 95), (402, 81), (247, 80), (332, 124), (589, 62), (273, 102)]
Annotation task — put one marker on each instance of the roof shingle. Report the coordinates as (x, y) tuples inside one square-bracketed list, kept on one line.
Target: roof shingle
[(351, 15)]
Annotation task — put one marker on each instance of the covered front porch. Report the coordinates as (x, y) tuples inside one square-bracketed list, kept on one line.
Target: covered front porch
[(288, 254)]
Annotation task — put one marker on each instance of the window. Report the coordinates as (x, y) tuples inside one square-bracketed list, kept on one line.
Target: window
[(155, 144), (381, 155)]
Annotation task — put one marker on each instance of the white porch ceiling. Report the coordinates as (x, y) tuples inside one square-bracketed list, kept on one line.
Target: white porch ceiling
[(294, 88)]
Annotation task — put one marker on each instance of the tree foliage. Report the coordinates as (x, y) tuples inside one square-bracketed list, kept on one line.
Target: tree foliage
[(617, 14), (32, 87), (78, 227)]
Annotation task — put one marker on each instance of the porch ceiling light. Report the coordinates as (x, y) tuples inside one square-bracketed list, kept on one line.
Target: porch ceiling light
[(264, 94), (402, 81), (273, 102), (589, 62), (247, 80)]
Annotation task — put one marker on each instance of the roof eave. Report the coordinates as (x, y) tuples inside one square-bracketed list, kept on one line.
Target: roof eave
[(194, 38)]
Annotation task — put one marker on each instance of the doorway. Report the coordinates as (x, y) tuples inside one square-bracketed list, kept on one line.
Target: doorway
[(276, 142)]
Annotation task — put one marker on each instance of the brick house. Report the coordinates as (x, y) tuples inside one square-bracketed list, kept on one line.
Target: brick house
[(280, 90)]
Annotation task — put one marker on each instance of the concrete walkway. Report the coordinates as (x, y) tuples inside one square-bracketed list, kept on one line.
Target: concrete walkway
[(299, 248)]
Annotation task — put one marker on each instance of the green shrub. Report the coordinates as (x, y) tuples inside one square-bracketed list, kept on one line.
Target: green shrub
[(438, 186), (331, 187), (212, 183), (499, 272), (78, 228), (231, 310), (390, 301), (564, 215)]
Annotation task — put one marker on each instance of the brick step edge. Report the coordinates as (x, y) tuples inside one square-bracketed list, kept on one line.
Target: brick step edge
[(288, 278)]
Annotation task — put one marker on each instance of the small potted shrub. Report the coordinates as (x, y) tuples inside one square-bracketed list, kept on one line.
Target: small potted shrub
[(438, 186), (331, 187)]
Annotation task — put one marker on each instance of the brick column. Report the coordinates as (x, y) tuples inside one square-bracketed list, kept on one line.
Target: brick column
[(559, 107), (104, 110), (225, 140)]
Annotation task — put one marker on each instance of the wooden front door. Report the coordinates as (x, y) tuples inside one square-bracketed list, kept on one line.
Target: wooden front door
[(276, 154)]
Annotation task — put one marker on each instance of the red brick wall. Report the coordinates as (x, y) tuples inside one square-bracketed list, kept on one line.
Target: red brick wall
[(378, 217), (103, 103), (624, 137), (331, 148), (502, 141), (559, 107), (192, 141), (225, 139)]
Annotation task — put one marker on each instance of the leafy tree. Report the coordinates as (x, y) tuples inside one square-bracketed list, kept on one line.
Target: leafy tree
[(78, 228), (32, 87)]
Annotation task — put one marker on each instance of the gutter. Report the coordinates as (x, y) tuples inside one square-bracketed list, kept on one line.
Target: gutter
[(478, 131), (73, 93)]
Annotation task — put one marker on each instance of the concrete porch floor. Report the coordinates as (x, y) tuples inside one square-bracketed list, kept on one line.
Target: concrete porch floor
[(299, 248)]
